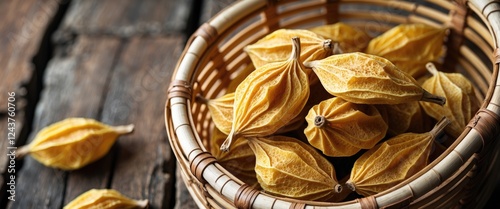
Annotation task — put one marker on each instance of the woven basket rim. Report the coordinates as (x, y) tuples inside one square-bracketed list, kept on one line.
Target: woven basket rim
[(179, 122)]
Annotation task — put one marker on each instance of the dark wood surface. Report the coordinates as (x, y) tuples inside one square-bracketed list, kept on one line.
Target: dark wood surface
[(110, 60)]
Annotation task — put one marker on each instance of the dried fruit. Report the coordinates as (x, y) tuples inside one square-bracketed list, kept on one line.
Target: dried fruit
[(240, 160), (393, 161), (339, 128), (288, 167), (368, 79), (73, 143), (409, 46), (221, 111), (350, 39), (458, 91), (269, 98), (276, 47), (240, 77), (401, 118), (105, 199)]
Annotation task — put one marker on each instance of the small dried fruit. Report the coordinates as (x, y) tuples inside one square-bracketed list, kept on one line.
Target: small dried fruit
[(221, 111), (393, 161), (105, 199), (459, 91), (240, 160), (368, 79), (409, 46), (404, 117), (276, 47), (339, 128), (269, 98), (288, 167), (350, 39), (73, 143)]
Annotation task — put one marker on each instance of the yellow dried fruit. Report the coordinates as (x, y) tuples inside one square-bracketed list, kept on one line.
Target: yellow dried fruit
[(269, 98), (393, 161), (401, 118), (368, 79), (276, 47), (73, 143), (339, 128), (459, 92), (221, 111), (105, 199), (350, 39), (240, 160), (409, 46), (288, 167)]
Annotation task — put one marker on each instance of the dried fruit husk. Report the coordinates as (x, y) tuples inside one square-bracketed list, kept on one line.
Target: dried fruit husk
[(269, 98), (105, 199), (393, 161), (459, 92), (409, 46), (350, 39), (73, 143), (221, 111), (240, 160), (288, 167), (340, 129), (404, 117), (368, 79), (276, 47)]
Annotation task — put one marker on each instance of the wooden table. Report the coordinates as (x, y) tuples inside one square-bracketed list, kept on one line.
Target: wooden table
[(110, 60)]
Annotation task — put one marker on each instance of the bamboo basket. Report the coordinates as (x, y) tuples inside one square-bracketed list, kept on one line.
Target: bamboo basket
[(463, 176)]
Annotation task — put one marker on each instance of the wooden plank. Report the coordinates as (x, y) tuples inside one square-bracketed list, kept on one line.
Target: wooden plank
[(145, 164), (126, 18), (73, 88), (22, 29)]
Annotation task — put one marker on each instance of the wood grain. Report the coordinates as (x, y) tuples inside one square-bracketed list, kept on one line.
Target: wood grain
[(126, 18), (73, 88)]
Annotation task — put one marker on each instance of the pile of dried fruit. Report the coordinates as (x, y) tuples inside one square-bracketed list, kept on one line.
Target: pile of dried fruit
[(313, 98)]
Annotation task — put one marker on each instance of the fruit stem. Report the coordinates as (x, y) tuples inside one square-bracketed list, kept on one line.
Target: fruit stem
[(319, 121), (22, 151), (201, 99), (338, 188), (295, 48), (428, 97), (439, 127), (337, 49), (142, 203), (126, 129), (350, 185), (228, 142), (431, 68)]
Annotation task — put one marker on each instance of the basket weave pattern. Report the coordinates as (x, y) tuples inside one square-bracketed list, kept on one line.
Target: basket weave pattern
[(462, 176)]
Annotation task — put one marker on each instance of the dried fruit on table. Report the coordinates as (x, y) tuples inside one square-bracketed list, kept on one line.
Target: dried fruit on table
[(269, 98), (404, 117), (73, 143), (409, 46), (339, 128), (368, 79), (105, 199), (240, 160), (288, 167), (276, 47), (393, 161), (221, 111), (350, 39), (459, 92)]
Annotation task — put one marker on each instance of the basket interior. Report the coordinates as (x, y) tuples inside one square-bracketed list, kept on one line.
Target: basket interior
[(224, 59)]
